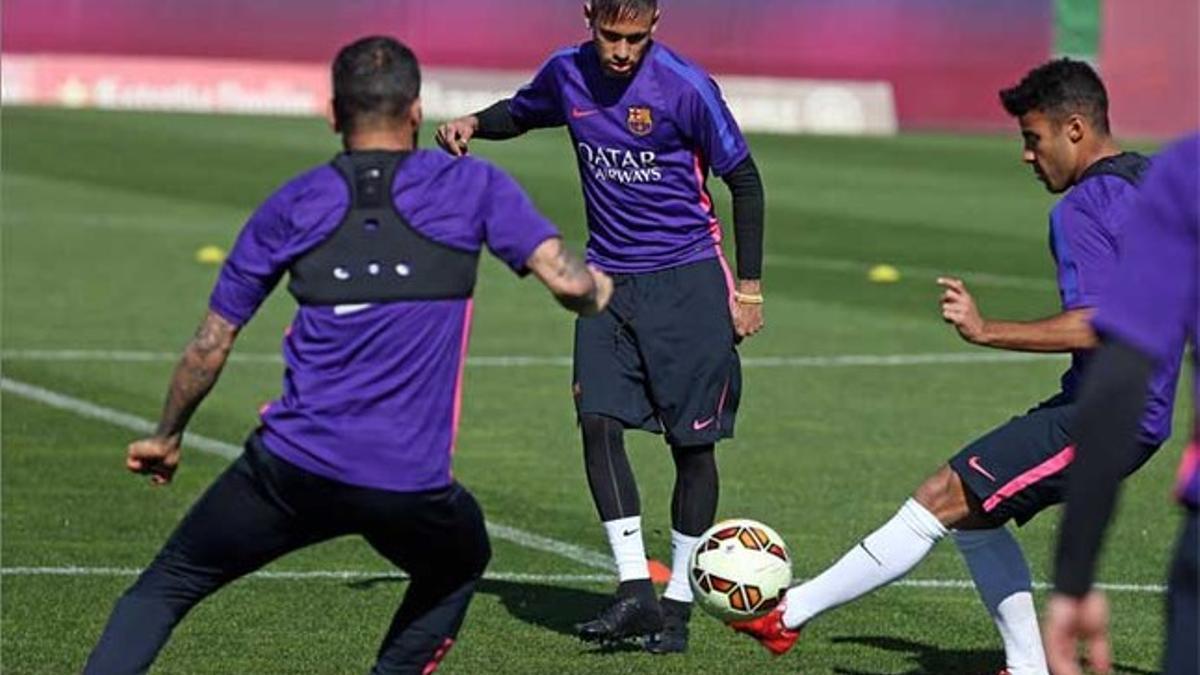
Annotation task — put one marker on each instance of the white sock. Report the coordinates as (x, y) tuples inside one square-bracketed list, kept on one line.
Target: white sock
[(882, 557), (1005, 586), (680, 587), (625, 538)]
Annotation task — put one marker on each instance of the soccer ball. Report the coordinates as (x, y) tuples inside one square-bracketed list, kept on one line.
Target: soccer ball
[(740, 569)]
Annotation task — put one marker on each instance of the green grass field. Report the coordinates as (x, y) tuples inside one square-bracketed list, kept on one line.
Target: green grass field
[(102, 216)]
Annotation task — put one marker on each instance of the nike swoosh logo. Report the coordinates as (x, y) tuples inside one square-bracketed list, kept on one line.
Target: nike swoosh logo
[(973, 462), (342, 310), (700, 425), (579, 114), (629, 533)]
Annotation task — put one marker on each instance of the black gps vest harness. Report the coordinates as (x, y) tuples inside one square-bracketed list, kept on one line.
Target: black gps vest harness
[(1129, 166), (375, 255)]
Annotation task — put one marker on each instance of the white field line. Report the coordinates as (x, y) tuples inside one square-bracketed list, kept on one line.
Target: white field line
[(833, 361), (514, 535), (349, 575), (83, 408)]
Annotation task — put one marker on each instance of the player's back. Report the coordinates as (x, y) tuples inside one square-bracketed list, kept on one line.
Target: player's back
[(383, 269)]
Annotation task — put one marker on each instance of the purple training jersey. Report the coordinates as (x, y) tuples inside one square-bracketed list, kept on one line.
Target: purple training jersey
[(645, 146), (1085, 240), (371, 393), (1154, 303)]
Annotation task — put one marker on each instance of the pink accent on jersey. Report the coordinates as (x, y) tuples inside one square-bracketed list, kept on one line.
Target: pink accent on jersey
[(468, 313)]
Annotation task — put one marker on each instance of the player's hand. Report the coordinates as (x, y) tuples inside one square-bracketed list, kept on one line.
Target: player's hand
[(454, 135), (1070, 621), (157, 457), (747, 319), (604, 287), (958, 308)]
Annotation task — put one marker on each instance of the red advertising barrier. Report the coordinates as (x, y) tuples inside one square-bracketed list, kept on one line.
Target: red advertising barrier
[(1150, 58), (195, 85), (944, 59)]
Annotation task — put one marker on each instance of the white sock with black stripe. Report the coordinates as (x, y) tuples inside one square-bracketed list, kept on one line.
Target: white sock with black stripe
[(879, 559)]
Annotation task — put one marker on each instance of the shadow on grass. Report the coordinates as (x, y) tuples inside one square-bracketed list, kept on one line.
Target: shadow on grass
[(934, 660), (928, 658), (554, 608)]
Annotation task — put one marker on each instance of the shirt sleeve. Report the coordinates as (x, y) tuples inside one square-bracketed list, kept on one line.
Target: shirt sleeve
[(706, 119), (513, 228), (1084, 253), (538, 104), (1153, 301), (254, 266)]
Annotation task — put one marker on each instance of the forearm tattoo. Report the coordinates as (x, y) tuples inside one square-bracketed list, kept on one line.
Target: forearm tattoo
[(196, 373), (570, 269)]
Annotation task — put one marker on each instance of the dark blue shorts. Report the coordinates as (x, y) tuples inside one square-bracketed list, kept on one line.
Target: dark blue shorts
[(1020, 468), (662, 357)]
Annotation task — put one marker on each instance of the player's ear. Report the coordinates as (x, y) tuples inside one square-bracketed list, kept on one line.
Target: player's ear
[(1076, 128), (416, 115), (331, 116)]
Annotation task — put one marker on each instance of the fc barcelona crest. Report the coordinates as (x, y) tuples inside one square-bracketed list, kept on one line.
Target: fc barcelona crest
[(640, 121)]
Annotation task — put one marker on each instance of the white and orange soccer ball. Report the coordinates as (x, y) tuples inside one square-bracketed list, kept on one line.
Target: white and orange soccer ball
[(740, 569)]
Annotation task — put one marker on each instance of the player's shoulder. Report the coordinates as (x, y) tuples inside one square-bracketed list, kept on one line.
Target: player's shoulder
[(675, 66), (1106, 186), (452, 180), (321, 183), (564, 58)]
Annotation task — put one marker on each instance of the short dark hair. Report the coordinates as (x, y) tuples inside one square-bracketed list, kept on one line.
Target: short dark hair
[(1057, 89), (374, 79), (617, 10)]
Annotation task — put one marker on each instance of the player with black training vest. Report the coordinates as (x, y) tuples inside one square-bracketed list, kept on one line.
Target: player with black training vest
[(381, 246)]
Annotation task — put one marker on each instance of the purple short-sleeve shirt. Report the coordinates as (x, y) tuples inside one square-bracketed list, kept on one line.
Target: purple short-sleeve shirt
[(372, 392)]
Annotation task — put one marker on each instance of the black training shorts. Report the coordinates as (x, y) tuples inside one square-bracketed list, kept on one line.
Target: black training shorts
[(661, 357)]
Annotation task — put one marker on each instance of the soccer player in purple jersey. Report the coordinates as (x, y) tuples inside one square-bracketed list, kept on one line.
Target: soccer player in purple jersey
[(1020, 468), (648, 126), (381, 246), (1152, 306)]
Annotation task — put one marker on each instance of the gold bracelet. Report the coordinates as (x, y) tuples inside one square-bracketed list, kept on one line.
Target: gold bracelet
[(748, 298)]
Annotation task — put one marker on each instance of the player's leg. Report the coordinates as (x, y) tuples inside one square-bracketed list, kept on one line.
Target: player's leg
[(1181, 656), (439, 538), (237, 526), (693, 509), (1013, 471), (615, 494), (685, 332), (610, 396), (1005, 585)]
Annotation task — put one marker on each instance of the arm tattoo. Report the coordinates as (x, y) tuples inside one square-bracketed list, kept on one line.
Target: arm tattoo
[(196, 372), (569, 268)]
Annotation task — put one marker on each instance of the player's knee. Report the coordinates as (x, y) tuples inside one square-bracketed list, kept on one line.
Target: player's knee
[(942, 495), (601, 434), (598, 425)]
